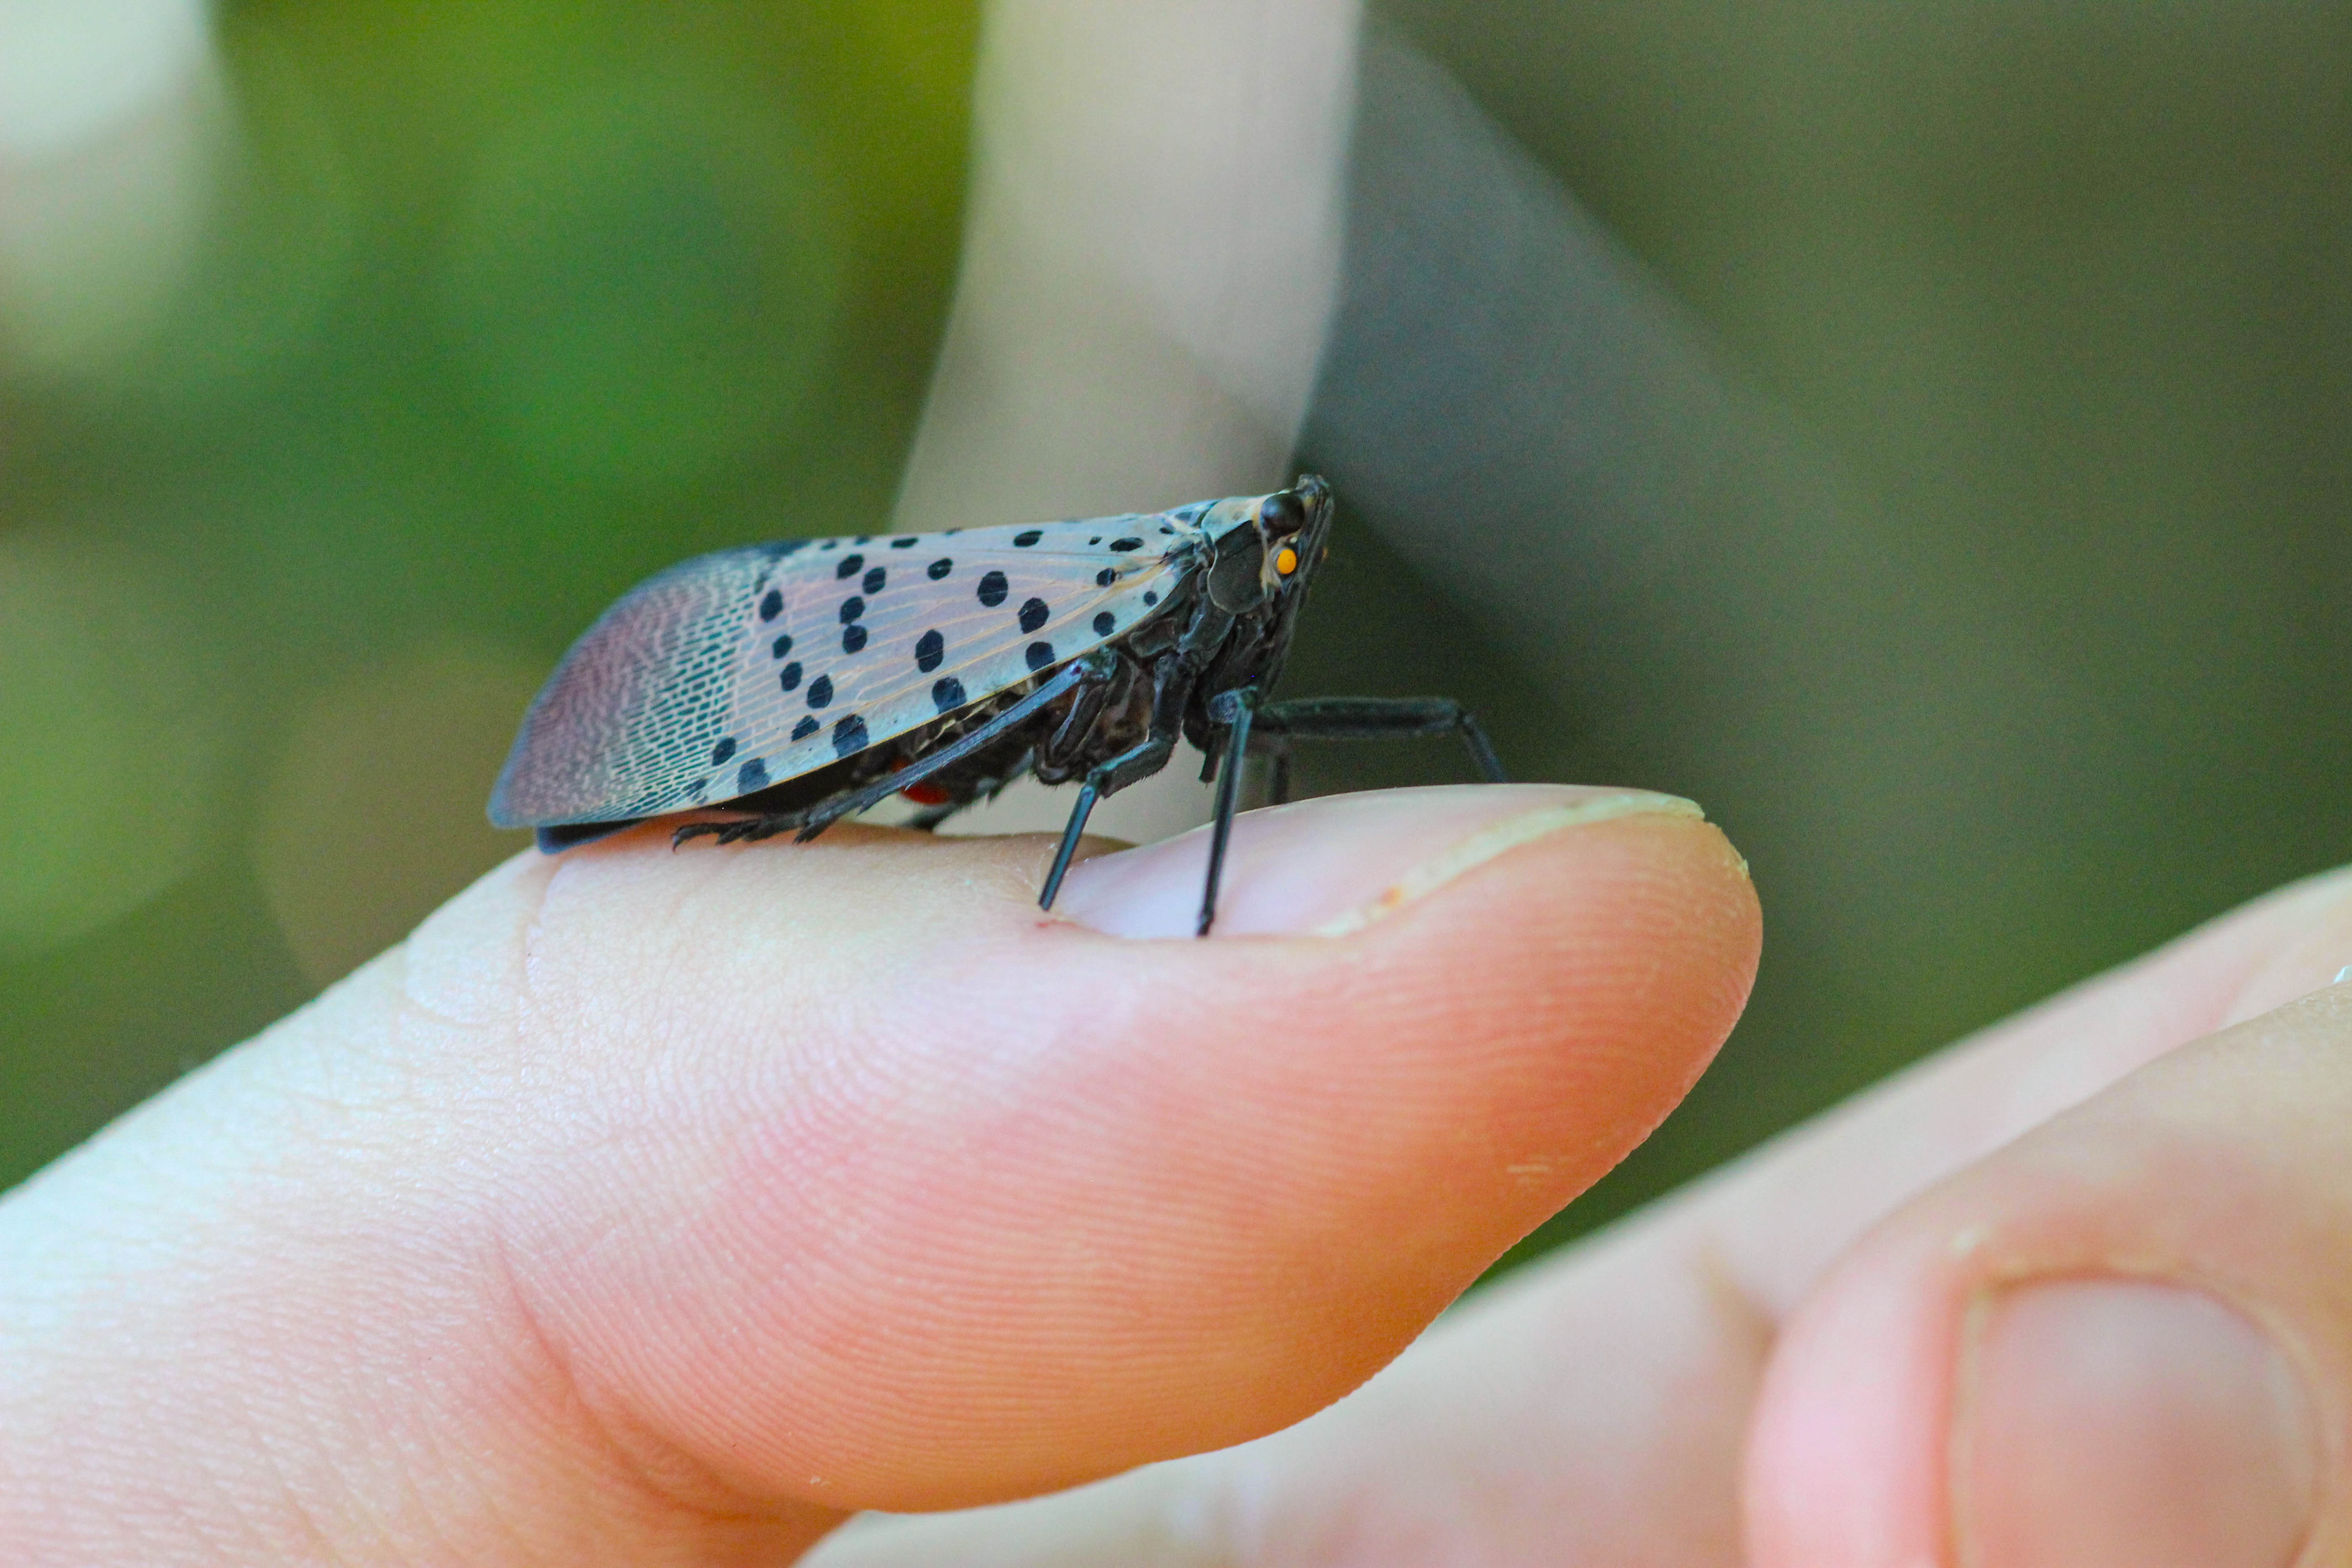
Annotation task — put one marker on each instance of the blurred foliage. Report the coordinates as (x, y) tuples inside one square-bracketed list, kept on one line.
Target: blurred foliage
[(493, 310), (497, 307), (2062, 296)]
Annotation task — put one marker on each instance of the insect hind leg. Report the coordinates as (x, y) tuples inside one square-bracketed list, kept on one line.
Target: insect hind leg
[(747, 830)]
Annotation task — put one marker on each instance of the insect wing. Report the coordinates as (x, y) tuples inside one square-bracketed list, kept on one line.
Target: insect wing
[(852, 645), (747, 668), (626, 725)]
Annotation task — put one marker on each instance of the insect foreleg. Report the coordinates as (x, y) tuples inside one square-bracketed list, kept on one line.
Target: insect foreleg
[(1174, 672), (1171, 687), (1280, 724), (1079, 737), (1203, 636), (1235, 708)]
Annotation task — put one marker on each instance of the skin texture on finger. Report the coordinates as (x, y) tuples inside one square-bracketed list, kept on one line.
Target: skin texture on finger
[(659, 1207), (1591, 1409), (1019, 1202), (268, 1316), (1595, 1407), (1784, 1213)]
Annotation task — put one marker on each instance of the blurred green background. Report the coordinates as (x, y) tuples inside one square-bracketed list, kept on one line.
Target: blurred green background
[(368, 356)]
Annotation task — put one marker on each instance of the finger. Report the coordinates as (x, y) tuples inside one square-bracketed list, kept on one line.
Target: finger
[(1108, 339), (746, 1186), (1791, 1210), (1596, 1406), (2125, 1339)]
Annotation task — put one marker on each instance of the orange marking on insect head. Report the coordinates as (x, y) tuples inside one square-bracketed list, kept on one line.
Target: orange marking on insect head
[(1286, 561)]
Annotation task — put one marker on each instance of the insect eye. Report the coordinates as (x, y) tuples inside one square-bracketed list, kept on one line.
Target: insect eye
[(1286, 561), (1281, 513)]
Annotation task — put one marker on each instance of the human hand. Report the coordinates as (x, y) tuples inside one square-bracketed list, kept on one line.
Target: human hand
[(667, 1207), (2078, 1292)]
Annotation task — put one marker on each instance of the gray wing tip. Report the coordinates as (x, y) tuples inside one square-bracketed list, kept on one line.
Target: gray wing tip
[(619, 712)]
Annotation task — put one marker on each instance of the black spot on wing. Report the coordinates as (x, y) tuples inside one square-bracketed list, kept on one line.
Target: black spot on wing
[(930, 648), (804, 729), (1032, 614), (721, 752), (751, 775), (1123, 545), (848, 735), (907, 543), (1038, 654), (993, 588), (849, 566), (1106, 577), (940, 568), (789, 678), (853, 638), (875, 577), (1151, 597), (1027, 537), (1104, 622), (780, 648), (947, 694), (771, 605), (851, 608), (820, 691)]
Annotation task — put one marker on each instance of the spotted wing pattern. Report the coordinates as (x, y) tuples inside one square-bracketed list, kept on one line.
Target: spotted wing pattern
[(744, 669)]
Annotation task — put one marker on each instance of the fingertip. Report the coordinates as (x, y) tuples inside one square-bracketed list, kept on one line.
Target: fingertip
[(1338, 863), (1844, 1461), (843, 1159), (2117, 1339)]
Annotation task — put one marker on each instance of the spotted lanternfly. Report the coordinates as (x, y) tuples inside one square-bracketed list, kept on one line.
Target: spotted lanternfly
[(797, 683)]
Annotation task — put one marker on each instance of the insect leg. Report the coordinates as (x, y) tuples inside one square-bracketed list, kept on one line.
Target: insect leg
[(1143, 759), (1063, 754), (556, 840), (833, 811), (1171, 688), (1235, 708), (1078, 815), (1374, 718), (732, 832), (1277, 787)]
